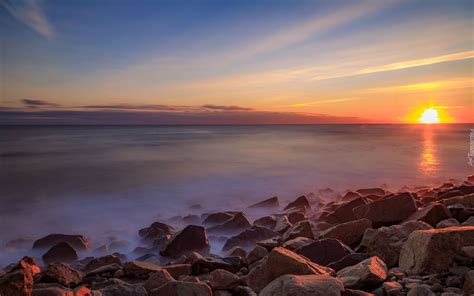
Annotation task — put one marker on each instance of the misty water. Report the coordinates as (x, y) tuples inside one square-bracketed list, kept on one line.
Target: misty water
[(98, 181)]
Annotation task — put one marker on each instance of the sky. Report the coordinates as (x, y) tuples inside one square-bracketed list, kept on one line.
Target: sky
[(235, 62)]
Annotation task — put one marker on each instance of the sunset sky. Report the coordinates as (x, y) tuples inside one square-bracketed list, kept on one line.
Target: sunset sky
[(178, 62)]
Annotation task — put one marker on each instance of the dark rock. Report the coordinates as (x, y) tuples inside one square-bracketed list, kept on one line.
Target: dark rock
[(223, 280), (447, 223), (350, 233), (300, 229), (267, 203), (155, 231), (78, 242), (208, 264), (296, 243), (216, 218), (102, 261), (19, 279), (348, 260), (371, 191), (190, 239), (304, 285), (179, 288), (370, 273), (139, 269), (249, 237), (123, 289), (343, 213), (257, 253), (420, 291), (157, 279), (431, 214), (237, 223), (62, 274), (61, 252), (324, 251), (300, 202)]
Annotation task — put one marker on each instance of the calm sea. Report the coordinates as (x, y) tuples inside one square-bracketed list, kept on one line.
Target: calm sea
[(93, 179)]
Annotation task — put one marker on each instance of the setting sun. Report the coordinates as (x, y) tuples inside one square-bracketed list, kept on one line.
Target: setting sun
[(430, 115)]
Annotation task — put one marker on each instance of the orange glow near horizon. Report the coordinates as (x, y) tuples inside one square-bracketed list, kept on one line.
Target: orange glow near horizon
[(429, 116)]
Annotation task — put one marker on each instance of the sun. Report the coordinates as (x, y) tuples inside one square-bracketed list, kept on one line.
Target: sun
[(429, 116)]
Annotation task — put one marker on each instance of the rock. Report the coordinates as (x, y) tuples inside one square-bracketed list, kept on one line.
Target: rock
[(453, 281), (433, 250), (392, 288), (106, 271), (371, 191), (155, 231), (217, 218), (350, 195), (249, 237), (237, 251), (270, 243), (19, 279), (221, 293), (102, 261), (469, 221), (367, 274), (192, 238), (62, 274), (295, 243), (279, 262), (61, 252), (303, 285), (257, 253), (179, 288), (350, 233), (140, 269), (58, 290), (177, 270), (447, 223), (420, 291), (300, 202), (157, 279), (343, 213), (78, 242), (431, 214), (237, 223), (123, 290), (465, 200), (468, 251), (387, 211), (267, 203), (351, 292), (348, 260), (387, 242), (245, 291), (300, 229), (324, 251), (208, 264), (293, 217), (223, 280), (468, 287)]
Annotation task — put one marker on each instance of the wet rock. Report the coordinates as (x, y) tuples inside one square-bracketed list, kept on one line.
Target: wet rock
[(300, 229), (78, 242), (157, 279), (237, 223), (62, 274), (350, 233), (208, 264), (61, 252), (387, 211), (123, 289), (296, 243), (300, 202), (179, 288), (433, 250), (447, 223), (155, 231), (468, 287), (304, 285), (279, 262), (223, 280), (431, 214), (267, 203), (190, 239), (102, 261), (387, 242), (257, 253), (343, 213), (348, 260), (249, 237), (367, 274), (19, 279), (324, 251)]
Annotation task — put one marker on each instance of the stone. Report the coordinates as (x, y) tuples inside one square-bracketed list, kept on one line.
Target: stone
[(237, 223), (300, 229), (191, 238), (123, 289), (140, 269), (324, 251), (344, 213), (217, 218), (19, 279), (61, 252), (58, 290), (350, 233), (267, 203), (249, 237), (468, 286), (78, 242), (420, 291), (453, 281), (245, 291), (296, 243), (447, 223), (348, 260), (387, 211), (387, 242), (157, 279), (371, 191), (208, 264), (293, 217), (350, 195), (468, 251), (300, 202), (105, 270), (257, 253), (392, 288), (223, 280), (469, 221), (304, 285), (431, 214), (102, 261), (465, 200), (237, 251), (62, 274), (279, 262), (156, 230), (367, 274), (433, 250), (179, 288)]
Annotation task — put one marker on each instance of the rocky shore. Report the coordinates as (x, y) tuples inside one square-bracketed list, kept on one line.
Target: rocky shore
[(417, 241)]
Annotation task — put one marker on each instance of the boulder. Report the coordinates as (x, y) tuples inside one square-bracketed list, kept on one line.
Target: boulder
[(433, 250), (279, 262), (392, 289), (387, 211), (468, 286), (237, 223), (300, 229), (420, 290), (216, 218), (257, 253), (300, 202), (350, 233), (348, 260), (296, 243), (387, 242), (208, 264), (190, 239), (324, 251), (237, 251), (267, 203), (140, 269), (58, 290), (78, 242), (105, 270), (61, 252), (368, 274), (371, 191), (155, 231), (447, 223), (249, 237), (223, 280), (157, 279), (123, 289), (304, 285), (350, 195), (431, 214), (102, 261), (62, 274), (19, 280), (465, 200), (343, 213), (179, 288)]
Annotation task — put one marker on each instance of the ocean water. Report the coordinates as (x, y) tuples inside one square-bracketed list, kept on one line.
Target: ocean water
[(102, 179)]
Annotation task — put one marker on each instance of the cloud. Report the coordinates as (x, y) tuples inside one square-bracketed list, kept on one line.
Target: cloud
[(226, 108), (31, 14), (321, 102), (171, 108), (38, 103)]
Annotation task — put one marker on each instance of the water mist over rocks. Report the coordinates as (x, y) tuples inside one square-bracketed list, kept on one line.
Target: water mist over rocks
[(414, 241)]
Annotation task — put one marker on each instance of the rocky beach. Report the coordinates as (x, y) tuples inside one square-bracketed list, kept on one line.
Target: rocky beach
[(370, 241)]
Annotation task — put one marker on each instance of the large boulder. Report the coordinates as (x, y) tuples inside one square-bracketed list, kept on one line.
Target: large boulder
[(58, 290), (140, 269), (249, 237), (296, 243), (465, 200), (62, 274), (300, 229), (237, 223), (212, 219), (304, 285), (300, 202), (367, 274), (223, 280), (324, 251), (155, 231), (102, 261), (19, 280), (78, 242), (431, 214), (179, 288), (61, 252), (386, 242), (190, 239), (157, 280), (350, 233), (343, 213), (348, 260), (208, 264), (279, 262), (267, 203), (433, 250)]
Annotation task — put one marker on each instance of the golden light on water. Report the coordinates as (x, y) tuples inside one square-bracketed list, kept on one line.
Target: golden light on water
[(429, 116), (429, 162)]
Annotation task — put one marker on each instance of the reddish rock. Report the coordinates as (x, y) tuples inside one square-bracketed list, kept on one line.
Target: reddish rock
[(267, 203), (19, 280), (350, 195), (190, 239), (249, 237), (62, 274), (300, 229), (465, 200), (62, 252), (348, 260), (324, 251), (300, 202), (78, 242), (431, 214), (304, 285), (179, 288), (296, 243), (367, 274), (350, 233)]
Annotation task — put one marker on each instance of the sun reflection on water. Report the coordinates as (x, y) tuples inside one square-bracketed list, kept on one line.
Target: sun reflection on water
[(429, 162)]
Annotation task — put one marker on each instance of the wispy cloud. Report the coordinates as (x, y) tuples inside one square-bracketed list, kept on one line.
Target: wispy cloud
[(31, 14), (321, 102), (226, 108), (31, 103)]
